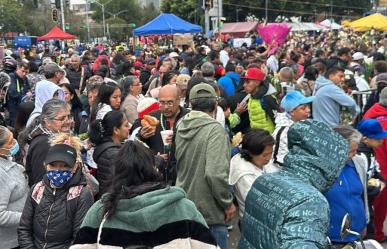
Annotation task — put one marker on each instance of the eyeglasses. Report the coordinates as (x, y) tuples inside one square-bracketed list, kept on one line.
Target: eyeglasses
[(167, 103), (64, 118)]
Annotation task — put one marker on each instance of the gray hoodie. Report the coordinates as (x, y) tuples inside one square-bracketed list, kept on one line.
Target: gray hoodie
[(44, 91), (329, 99)]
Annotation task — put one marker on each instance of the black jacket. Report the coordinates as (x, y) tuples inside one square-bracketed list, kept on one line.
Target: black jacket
[(104, 155), (54, 217), (37, 152), (155, 142)]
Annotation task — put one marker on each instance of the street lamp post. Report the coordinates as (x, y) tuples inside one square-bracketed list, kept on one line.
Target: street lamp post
[(116, 14), (102, 5), (266, 6)]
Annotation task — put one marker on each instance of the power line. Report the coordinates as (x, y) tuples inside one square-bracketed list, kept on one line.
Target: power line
[(277, 10)]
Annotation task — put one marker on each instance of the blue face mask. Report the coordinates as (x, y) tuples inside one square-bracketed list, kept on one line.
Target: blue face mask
[(13, 150), (58, 178)]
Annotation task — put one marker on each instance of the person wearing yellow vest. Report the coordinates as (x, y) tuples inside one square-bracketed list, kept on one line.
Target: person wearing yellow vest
[(261, 105)]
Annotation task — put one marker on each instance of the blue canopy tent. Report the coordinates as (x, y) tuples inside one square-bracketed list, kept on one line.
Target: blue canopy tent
[(167, 24)]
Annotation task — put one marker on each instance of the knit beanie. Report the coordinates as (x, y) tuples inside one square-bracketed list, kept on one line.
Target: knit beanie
[(383, 97), (146, 106)]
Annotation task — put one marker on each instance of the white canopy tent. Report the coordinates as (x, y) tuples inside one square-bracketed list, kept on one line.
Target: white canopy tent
[(330, 24)]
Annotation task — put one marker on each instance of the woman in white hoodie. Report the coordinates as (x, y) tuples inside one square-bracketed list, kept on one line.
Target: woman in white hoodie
[(252, 161)]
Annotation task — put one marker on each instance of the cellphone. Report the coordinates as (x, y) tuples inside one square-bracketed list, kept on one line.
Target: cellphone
[(244, 100)]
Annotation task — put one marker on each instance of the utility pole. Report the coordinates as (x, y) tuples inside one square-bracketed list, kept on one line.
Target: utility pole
[(87, 20), (102, 5), (266, 6), (62, 15), (206, 20)]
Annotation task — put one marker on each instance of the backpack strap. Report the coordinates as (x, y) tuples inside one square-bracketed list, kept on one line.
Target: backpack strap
[(277, 142)]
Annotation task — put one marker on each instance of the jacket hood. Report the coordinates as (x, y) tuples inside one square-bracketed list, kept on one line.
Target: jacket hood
[(192, 122), (46, 93), (322, 81), (282, 119), (234, 75), (317, 154), (375, 111), (265, 89), (149, 211)]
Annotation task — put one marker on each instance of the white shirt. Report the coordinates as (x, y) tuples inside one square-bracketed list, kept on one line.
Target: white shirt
[(224, 58)]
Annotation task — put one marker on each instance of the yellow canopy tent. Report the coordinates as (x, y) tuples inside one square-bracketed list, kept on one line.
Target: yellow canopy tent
[(376, 21)]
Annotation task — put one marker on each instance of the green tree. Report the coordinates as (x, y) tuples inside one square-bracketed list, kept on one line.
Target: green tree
[(132, 10), (186, 9), (149, 12), (11, 19)]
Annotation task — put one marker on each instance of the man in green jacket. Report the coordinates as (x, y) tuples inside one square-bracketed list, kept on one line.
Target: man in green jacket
[(261, 105), (203, 157)]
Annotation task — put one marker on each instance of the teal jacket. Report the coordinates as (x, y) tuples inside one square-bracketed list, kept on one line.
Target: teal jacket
[(152, 219), (203, 164), (287, 209)]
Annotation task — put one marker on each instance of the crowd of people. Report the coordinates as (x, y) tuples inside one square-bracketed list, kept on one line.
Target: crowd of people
[(163, 148)]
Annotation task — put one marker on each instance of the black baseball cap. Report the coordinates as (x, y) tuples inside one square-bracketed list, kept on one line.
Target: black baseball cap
[(62, 153)]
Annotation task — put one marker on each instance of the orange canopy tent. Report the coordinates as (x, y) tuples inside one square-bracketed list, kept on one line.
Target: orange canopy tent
[(56, 33)]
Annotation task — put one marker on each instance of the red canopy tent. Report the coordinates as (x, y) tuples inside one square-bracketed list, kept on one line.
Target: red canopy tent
[(56, 33), (238, 29)]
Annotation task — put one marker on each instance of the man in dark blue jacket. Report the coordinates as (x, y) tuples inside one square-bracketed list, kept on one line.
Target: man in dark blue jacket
[(18, 89)]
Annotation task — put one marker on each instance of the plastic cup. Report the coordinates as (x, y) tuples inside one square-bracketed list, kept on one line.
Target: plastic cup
[(165, 134)]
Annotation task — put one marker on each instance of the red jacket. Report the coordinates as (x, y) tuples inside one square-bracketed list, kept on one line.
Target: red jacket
[(379, 112)]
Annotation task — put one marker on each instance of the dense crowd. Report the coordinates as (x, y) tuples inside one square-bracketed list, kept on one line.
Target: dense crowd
[(151, 147)]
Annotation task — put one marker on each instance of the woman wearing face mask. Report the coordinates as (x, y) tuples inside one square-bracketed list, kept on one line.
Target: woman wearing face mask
[(14, 190), (107, 135), (55, 118), (56, 205)]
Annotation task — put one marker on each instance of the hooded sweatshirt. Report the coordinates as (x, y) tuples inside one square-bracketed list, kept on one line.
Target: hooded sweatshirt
[(287, 209), (163, 217), (329, 99), (379, 112), (229, 82), (203, 158), (44, 91)]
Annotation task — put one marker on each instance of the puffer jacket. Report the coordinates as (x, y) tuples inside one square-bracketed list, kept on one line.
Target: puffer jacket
[(287, 209), (280, 134), (261, 108), (104, 155), (52, 217)]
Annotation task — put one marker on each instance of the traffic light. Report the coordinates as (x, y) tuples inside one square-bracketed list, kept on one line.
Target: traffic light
[(55, 15), (132, 25), (57, 4), (67, 26)]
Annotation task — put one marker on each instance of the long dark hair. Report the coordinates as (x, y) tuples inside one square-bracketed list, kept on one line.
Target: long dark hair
[(75, 102), (101, 130), (134, 174), (103, 97)]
